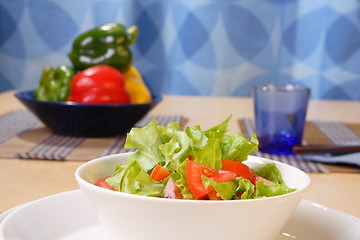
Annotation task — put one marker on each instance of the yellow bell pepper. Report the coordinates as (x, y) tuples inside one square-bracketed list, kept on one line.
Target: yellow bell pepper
[(135, 86)]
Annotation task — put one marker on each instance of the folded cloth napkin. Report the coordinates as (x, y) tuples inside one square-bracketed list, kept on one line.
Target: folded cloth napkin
[(350, 158), (316, 133), (339, 134), (26, 138)]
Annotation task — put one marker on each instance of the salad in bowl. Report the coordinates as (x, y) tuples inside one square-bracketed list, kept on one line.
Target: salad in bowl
[(193, 164), (191, 184)]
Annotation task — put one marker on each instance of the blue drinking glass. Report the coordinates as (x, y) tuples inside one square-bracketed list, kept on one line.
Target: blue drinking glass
[(280, 114)]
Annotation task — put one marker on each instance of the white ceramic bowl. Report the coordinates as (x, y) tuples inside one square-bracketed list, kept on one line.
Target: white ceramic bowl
[(132, 217)]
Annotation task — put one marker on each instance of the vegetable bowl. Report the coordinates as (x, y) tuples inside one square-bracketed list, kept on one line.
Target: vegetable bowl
[(191, 184), (86, 120)]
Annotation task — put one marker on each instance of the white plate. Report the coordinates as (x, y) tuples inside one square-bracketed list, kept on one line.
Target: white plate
[(68, 216)]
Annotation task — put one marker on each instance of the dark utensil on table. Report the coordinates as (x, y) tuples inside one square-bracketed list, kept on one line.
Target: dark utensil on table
[(326, 149)]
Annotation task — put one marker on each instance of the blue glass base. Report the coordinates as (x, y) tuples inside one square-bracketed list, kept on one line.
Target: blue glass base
[(279, 145), (278, 150)]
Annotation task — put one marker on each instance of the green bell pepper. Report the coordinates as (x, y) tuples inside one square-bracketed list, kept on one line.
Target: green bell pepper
[(107, 44), (55, 84)]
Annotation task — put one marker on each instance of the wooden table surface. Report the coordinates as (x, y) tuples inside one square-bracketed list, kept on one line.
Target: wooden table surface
[(22, 181)]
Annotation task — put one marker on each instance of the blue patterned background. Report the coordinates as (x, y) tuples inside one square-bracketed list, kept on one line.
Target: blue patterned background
[(196, 47)]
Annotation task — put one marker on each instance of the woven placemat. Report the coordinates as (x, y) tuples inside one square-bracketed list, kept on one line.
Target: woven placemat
[(23, 136), (315, 133)]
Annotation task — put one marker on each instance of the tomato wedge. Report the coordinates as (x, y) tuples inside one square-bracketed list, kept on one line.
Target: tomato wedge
[(219, 175), (195, 170), (102, 183), (212, 193), (240, 169), (159, 173)]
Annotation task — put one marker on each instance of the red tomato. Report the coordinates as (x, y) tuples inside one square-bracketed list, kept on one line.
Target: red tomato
[(212, 193), (240, 169), (239, 194), (99, 84), (159, 173), (219, 175), (102, 183), (193, 173), (195, 170)]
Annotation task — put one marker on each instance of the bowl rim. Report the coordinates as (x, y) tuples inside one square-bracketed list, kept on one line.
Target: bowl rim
[(26, 95), (92, 187)]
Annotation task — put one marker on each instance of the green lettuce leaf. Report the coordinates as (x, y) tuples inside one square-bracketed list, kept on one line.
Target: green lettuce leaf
[(270, 190), (238, 147), (225, 190), (206, 145), (133, 179), (147, 141), (245, 187), (210, 155), (272, 173), (176, 145), (180, 180), (197, 136), (116, 179), (220, 130)]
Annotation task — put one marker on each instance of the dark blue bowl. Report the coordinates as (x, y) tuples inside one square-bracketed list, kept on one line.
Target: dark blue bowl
[(86, 120)]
